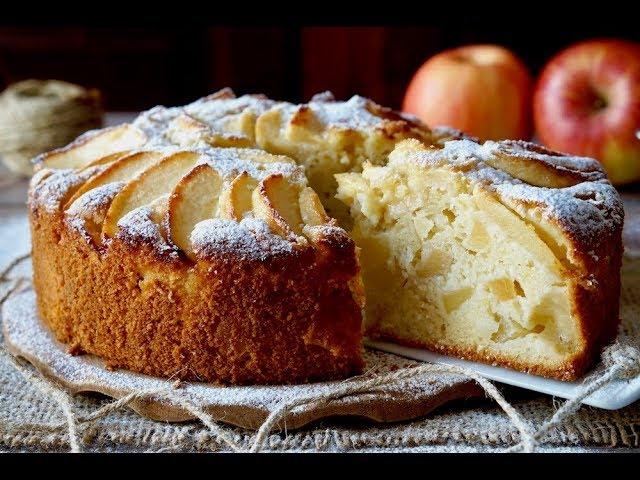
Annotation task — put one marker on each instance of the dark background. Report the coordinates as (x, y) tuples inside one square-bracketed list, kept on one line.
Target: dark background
[(140, 66)]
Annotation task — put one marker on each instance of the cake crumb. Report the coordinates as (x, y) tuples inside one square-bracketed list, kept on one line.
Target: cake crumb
[(177, 384), (75, 349)]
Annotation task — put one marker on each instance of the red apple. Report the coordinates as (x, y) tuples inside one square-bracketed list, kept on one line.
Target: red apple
[(483, 90), (587, 102)]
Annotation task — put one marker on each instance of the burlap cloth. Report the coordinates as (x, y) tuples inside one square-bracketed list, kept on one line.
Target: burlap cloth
[(33, 421)]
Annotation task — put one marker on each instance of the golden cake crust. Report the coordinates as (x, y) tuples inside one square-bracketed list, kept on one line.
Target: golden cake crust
[(287, 310), (268, 289)]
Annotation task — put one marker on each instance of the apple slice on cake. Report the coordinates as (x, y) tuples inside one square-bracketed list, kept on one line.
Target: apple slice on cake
[(156, 181), (107, 159), (235, 199), (194, 199), (311, 208), (276, 202), (121, 170), (93, 145)]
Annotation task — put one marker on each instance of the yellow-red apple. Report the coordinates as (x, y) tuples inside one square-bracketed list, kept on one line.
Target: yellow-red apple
[(483, 90), (587, 102)]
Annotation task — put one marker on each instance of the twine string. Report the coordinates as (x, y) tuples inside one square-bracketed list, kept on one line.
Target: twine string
[(53, 391), (621, 361), (353, 388), (13, 264)]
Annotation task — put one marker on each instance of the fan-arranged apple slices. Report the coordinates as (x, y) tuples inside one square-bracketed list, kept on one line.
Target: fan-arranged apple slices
[(285, 206), (154, 182), (123, 169), (195, 198), (92, 145)]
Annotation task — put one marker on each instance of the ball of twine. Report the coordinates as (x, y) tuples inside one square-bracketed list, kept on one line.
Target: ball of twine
[(40, 115)]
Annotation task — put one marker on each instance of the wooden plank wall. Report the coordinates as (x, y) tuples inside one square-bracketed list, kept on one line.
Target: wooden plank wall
[(140, 67)]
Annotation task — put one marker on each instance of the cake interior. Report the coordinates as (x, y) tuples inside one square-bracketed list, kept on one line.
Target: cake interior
[(447, 266)]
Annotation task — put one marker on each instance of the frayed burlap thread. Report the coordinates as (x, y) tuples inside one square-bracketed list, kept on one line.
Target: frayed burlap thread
[(621, 360)]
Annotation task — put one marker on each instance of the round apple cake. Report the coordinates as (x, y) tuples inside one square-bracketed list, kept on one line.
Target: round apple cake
[(209, 242)]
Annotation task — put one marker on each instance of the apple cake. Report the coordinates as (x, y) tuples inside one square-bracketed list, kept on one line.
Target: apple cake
[(209, 263), (503, 252), (191, 243)]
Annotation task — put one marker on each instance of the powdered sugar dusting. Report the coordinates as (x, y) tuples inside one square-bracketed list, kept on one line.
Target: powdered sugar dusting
[(138, 226), (93, 200), (249, 239), (589, 210), (443, 133), (38, 177), (154, 124), (56, 187), (587, 166), (229, 162), (458, 153), (355, 114), (213, 111), (92, 207)]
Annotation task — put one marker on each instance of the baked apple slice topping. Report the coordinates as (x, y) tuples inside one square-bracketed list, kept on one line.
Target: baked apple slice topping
[(108, 159), (276, 202), (185, 130), (121, 170), (181, 189), (93, 145), (158, 180), (194, 199), (539, 166), (235, 199), (311, 208)]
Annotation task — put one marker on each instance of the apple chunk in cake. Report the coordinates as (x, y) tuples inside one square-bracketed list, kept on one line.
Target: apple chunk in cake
[(466, 252)]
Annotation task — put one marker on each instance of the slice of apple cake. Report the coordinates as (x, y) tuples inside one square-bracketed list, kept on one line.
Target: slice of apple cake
[(503, 252)]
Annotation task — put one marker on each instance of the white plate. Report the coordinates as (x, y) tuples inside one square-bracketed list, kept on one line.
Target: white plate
[(618, 394)]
